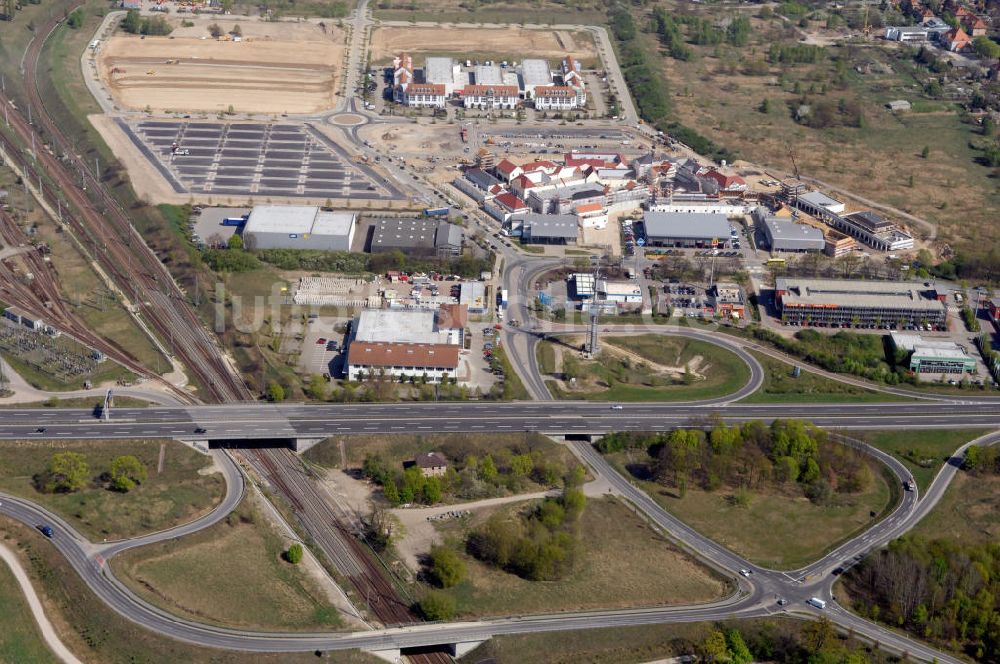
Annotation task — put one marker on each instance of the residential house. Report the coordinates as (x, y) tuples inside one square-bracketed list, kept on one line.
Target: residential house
[(424, 95), (556, 98), (956, 40), (491, 97), (431, 464)]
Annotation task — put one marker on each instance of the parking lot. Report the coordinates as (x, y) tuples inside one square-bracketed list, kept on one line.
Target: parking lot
[(255, 159)]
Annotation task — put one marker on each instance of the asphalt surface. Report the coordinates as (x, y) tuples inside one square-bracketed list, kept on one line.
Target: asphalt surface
[(756, 596), (267, 421)]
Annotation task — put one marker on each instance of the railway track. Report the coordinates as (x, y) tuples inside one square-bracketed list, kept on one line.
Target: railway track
[(329, 528), (95, 216)]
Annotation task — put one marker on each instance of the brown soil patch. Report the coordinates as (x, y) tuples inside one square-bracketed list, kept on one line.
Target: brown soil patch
[(297, 73), (518, 42)]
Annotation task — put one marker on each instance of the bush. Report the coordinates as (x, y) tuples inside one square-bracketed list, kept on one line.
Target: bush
[(66, 472), (436, 606), (126, 471), (294, 554), (447, 568)]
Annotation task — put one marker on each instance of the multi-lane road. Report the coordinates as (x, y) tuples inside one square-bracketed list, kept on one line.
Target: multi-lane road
[(258, 421)]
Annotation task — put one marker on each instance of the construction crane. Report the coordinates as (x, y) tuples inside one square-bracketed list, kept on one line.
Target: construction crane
[(791, 155)]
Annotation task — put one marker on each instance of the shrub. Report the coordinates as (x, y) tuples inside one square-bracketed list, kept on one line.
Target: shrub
[(437, 606), (66, 472), (127, 471), (447, 568), (294, 554)]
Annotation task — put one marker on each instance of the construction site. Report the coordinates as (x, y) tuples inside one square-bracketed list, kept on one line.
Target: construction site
[(265, 68)]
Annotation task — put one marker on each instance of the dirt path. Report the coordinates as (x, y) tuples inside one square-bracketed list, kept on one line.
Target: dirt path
[(45, 627)]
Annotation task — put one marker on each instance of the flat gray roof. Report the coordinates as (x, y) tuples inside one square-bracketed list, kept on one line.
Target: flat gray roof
[(698, 225), (875, 294), (552, 225), (488, 75), (439, 70), (536, 72), (791, 235), (819, 199), (298, 219)]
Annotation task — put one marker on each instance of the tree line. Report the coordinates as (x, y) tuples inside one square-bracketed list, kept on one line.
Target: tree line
[(469, 476), (539, 544), (237, 259), (135, 24), (790, 454), (69, 472), (944, 591)]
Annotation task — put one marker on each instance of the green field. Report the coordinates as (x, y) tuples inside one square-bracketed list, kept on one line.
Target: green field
[(625, 370), (177, 495), (922, 450), (780, 386), (622, 562), (774, 529), (20, 640), (230, 574), (969, 511), (95, 633)]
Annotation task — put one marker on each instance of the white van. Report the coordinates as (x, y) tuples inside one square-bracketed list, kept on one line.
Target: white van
[(817, 602)]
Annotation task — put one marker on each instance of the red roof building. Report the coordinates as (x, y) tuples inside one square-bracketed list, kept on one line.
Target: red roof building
[(512, 203), (730, 184), (956, 40)]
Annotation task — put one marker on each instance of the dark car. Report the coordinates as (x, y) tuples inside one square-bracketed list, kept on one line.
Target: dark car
[(200, 430), (45, 530)]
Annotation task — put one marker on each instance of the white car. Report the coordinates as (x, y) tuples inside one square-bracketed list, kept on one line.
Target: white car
[(617, 407), (745, 572)]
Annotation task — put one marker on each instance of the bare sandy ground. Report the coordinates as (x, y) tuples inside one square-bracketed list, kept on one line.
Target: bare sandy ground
[(275, 68), (518, 42)]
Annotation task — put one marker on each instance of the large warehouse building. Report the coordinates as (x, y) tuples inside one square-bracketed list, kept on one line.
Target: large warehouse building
[(685, 229), (783, 235), (844, 303), (421, 237), (299, 227), (401, 344), (934, 356)]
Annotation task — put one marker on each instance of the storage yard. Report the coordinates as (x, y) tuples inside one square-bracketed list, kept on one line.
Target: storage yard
[(272, 68), (474, 43)]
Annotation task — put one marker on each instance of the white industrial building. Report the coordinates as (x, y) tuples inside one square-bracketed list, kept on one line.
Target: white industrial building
[(472, 294), (535, 73), (402, 326), (299, 227), (619, 292), (818, 204), (784, 235), (443, 71)]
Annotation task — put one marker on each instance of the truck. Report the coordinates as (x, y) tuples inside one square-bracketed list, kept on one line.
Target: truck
[(817, 602), (234, 221), (436, 212), (908, 485), (504, 294)]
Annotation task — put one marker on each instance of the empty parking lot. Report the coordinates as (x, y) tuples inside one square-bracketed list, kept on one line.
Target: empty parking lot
[(255, 159)]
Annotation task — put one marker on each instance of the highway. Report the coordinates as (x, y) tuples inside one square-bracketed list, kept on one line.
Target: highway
[(262, 421), (756, 597)]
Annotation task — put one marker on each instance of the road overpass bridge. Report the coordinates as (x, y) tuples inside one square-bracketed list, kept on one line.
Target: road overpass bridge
[(305, 423)]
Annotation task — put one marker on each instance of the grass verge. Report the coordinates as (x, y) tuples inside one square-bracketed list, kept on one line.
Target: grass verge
[(773, 530), (20, 640), (612, 378), (230, 574), (621, 562), (176, 495), (781, 386), (969, 511), (96, 633), (922, 451)]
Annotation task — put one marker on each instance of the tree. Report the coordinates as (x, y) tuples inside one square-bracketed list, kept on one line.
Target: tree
[(437, 606), (213, 30), (318, 387), (132, 23), (487, 469), (275, 392), (447, 568), (66, 472), (391, 492), (765, 106), (237, 31), (714, 647), (294, 554), (235, 241), (432, 490), (126, 472), (739, 653), (985, 47), (75, 18), (521, 465), (926, 152)]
